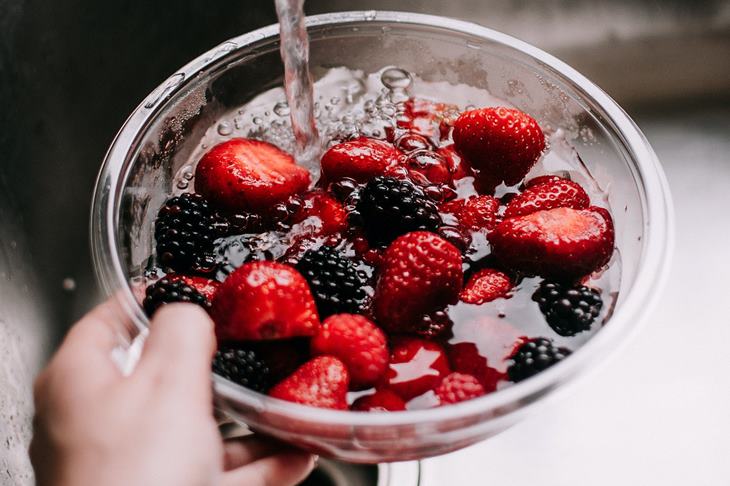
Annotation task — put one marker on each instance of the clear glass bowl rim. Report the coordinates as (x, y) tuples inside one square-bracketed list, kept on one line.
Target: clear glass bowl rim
[(657, 247)]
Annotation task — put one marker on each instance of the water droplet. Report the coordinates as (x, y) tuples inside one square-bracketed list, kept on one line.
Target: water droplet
[(187, 172), (393, 78), (282, 108), (183, 184), (370, 15), (257, 120), (473, 45), (68, 284), (225, 129), (335, 100)]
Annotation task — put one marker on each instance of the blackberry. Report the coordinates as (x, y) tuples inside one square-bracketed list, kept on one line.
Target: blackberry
[(185, 229), (390, 207), (568, 309), (243, 366), (336, 283), (166, 291), (533, 357)]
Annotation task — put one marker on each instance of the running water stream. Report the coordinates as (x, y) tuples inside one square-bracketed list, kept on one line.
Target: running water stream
[(298, 83)]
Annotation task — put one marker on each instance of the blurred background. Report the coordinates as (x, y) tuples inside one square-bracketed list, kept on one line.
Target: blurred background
[(72, 70)]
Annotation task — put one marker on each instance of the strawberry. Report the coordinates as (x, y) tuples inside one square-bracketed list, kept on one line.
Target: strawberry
[(416, 366), (205, 286), (321, 382), (264, 300), (503, 143), (359, 343), (420, 272), (561, 243), (426, 167), (328, 214), (482, 348), (542, 180), (458, 387), (474, 214), (425, 116), (248, 175), (486, 285), (360, 159), (380, 401), (458, 166), (550, 194)]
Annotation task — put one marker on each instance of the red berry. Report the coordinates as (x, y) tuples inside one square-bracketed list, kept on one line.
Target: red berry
[(502, 142), (359, 343), (465, 358), (264, 300), (550, 194), (420, 272), (561, 243), (411, 142), (321, 382), (243, 174), (485, 286), (425, 116), (360, 159), (474, 214), (380, 401), (458, 387), (458, 166), (328, 215), (426, 167), (205, 286), (541, 180), (416, 366)]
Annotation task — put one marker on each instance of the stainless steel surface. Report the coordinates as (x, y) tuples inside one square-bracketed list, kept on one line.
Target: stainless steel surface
[(657, 414)]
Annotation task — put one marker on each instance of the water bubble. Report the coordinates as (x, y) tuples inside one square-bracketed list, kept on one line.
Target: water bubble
[(183, 184), (335, 100), (257, 120), (225, 129), (282, 108), (68, 284), (187, 172), (393, 78)]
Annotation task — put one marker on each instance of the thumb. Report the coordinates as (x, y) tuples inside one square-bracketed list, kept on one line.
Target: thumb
[(178, 350)]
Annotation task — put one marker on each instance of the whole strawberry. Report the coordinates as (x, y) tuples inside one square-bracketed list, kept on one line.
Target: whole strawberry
[(554, 193), (360, 159), (416, 366), (420, 272), (458, 387), (326, 214), (248, 175), (561, 243), (264, 300), (321, 382), (486, 285), (503, 143), (380, 401), (358, 343)]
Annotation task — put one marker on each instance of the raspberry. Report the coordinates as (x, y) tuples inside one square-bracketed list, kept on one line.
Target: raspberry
[(185, 230), (167, 291), (458, 387), (337, 285), (568, 309), (380, 401), (391, 207), (533, 357), (242, 366)]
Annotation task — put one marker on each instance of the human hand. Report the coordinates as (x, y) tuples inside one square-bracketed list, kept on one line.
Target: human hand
[(95, 427)]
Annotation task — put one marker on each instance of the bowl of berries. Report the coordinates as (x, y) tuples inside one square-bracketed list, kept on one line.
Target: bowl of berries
[(481, 226)]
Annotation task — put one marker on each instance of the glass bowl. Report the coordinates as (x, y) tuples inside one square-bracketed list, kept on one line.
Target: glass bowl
[(137, 175)]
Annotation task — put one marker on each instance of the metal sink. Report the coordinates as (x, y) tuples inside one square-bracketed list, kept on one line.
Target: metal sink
[(70, 72)]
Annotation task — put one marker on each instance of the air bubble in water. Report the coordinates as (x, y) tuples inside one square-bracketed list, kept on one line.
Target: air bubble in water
[(396, 78), (225, 129), (183, 184), (187, 173), (335, 100), (257, 120), (282, 108)]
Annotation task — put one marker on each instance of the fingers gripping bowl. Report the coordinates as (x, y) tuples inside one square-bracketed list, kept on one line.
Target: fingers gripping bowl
[(151, 158)]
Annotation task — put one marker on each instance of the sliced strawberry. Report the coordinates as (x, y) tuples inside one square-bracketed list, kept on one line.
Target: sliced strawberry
[(486, 285), (321, 382), (458, 387), (205, 286), (474, 214), (561, 243), (550, 194), (264, 300), (416, 366), (360, 159), (359, 343), (380, 401), (503, 143), (248, 175), (420, 272), (328, 214), (482, 348)]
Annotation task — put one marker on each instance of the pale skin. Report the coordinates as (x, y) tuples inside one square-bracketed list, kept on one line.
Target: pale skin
[(96, 427)]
